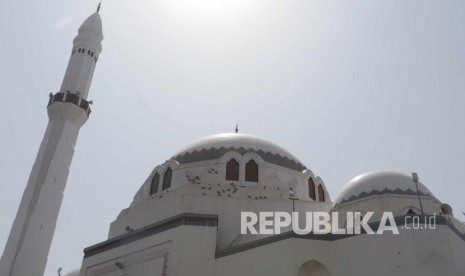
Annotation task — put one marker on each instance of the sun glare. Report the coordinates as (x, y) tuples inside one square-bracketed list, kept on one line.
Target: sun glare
[(210, 8)]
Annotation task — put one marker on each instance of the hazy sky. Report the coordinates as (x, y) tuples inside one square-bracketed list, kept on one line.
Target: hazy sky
[(346, 86)]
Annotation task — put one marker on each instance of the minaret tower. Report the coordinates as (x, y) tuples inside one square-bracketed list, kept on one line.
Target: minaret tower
[(32, 232)]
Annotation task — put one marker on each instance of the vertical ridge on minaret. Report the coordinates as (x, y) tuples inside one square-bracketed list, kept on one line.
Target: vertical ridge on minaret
[(32, 232)]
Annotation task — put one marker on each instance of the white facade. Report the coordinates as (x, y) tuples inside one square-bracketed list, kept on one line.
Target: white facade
[(192, 226), (32, 232)]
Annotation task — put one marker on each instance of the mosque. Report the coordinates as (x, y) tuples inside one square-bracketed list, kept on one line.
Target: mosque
[(185, 219)]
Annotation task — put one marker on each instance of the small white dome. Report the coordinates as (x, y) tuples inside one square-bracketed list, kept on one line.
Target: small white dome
[(380, 182), (215, 146)]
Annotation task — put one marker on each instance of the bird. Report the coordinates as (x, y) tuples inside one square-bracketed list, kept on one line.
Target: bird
[(119, 265)]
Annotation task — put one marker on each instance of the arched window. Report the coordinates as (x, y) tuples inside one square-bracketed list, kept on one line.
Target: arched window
[(311, 188), (313, 268), (154, 184), (167, 179), (232, 170), (251, 171), (321, 193)]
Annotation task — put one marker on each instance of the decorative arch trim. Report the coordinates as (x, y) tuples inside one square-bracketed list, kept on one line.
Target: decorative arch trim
[(217, 153)]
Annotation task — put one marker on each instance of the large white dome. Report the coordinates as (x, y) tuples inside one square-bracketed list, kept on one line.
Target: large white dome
[(380, 182), (213, 147)]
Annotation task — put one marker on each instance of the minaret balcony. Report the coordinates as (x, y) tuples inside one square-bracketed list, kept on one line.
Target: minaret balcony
[(70, 98)]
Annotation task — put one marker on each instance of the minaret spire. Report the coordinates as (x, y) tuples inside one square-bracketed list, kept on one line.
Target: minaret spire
[(98, 7), (32, 232)]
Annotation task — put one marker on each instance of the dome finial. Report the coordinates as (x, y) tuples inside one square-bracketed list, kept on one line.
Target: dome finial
[(99, 5), (237, 128), (415, 180)]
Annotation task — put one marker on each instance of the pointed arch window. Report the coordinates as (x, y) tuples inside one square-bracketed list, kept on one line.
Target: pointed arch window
[(232, 170), (321, 193), (167, 179), (311, 189), (155, 184), (251, 171)]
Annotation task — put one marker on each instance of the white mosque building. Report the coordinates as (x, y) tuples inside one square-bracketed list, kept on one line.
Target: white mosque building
[(185, 219)]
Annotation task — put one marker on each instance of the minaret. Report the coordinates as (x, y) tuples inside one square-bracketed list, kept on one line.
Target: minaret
[(32, 232)]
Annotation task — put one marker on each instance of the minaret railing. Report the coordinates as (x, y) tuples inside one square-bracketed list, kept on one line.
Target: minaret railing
[(70, 98)]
